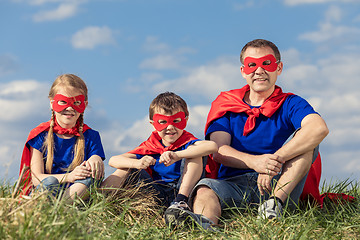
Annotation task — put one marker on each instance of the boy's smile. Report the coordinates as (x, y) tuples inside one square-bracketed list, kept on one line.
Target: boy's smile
[(170, 133)]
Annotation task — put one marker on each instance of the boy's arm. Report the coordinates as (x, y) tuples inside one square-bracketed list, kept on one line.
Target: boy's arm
[(198, 149), (129, 160)]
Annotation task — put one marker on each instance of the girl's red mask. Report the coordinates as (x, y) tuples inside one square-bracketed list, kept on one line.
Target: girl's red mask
[(77, 103), (267, 62), (161, 122)]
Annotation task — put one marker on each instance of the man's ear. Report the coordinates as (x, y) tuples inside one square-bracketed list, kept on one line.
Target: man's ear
[(242, 72), (280, 68)]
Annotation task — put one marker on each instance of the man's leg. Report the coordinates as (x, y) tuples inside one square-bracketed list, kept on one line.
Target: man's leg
[(293, 172), (207, 203)]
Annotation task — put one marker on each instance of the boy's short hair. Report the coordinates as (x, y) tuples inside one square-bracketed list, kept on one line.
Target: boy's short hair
[(169, 102)]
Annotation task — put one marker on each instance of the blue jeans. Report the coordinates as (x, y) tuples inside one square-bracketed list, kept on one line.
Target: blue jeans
[(52, 184), (241, 191)]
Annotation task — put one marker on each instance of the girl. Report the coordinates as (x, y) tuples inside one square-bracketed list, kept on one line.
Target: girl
[(63, 152)]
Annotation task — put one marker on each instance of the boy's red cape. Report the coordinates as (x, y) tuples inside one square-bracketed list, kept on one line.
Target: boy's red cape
[(232, 101), (153, 145), (26, 156)]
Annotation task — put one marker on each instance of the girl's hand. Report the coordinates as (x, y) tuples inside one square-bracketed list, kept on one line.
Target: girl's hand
[(145, 162), (79, 173), (96, 165), (169, 158)]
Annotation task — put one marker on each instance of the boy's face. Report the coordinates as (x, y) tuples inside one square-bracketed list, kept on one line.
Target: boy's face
[(169, 126)]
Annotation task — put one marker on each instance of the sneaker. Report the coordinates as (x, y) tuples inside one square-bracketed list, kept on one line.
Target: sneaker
[(270, 209), (180, 214)]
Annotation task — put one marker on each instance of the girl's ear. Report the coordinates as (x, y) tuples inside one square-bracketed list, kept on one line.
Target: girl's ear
[(51, 103)]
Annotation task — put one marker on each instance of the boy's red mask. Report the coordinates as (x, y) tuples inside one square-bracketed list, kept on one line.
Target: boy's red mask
[(162, 121), (267, 62), (69, 102)]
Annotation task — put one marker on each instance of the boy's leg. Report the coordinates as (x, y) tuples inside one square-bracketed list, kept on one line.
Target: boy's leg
[(191, 174)]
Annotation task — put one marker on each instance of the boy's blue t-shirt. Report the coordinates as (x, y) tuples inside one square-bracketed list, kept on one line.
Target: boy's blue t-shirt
[(268, 135), (64, 149), (170, 174)]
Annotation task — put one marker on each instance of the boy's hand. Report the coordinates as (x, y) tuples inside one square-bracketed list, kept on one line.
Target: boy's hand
[(169, 158), (145, 162)]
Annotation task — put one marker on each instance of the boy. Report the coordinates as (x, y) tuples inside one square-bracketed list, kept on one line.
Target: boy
[(172, 157)]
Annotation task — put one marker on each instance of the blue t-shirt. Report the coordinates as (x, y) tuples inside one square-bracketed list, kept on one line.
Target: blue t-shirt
[(170, 174), (268, 135), (64, 149)]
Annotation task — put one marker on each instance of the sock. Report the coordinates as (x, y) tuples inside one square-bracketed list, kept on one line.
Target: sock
[(277, 200), (181, 197)]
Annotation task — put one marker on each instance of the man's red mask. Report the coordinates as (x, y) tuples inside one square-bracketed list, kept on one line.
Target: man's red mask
[(267, 62), (161, 122), (62, 102)]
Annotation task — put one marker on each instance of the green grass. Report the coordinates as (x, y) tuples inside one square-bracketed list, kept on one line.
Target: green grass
[(132, 214)]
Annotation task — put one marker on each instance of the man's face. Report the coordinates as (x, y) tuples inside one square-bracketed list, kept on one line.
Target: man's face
[(257, 77)]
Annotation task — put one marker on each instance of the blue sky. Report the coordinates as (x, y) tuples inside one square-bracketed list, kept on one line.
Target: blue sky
[(129, 51)]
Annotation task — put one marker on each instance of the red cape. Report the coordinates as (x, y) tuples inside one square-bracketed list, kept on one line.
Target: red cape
[(232, 101), (26, 156), (153, 145)]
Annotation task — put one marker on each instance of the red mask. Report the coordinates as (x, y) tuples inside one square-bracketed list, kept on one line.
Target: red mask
[(77, 103), (267, 62), (161, 121)]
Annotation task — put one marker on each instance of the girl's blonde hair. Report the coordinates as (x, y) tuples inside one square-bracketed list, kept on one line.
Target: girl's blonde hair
[(66, 81)]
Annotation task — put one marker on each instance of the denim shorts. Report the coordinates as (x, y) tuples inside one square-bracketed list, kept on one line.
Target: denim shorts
[(242, 191), (52, 184)]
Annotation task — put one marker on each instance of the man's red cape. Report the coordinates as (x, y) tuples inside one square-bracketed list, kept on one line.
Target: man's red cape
[(26, 156), (153, 145), (232, 101)]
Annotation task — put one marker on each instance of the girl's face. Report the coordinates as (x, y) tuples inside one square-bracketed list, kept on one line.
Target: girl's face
[(68, 117)]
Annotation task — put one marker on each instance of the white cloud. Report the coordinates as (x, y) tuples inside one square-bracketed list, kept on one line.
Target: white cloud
[(62, 12), (207, 80), (8, 64), (162, 62), (21, 99), (93, 36), (152, 44)]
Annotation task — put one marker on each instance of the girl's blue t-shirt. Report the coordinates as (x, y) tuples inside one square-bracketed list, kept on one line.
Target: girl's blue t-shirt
[(268, 135), (64, 149), (170, 174)]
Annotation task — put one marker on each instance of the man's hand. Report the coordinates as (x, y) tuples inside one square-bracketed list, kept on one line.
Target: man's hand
[(145, 162), (264, 183), (169, 158), (269, 164)]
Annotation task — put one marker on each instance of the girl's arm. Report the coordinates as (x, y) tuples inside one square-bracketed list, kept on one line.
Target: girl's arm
[(38, 174), (129, 160)]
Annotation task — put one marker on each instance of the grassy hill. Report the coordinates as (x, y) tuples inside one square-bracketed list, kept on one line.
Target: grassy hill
[(131, 214)]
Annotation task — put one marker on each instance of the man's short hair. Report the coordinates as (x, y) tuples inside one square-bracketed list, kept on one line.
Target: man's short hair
[(260, 43)]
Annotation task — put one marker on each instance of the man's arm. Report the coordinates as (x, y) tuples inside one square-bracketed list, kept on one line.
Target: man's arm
[(228, 156), (313, 130)]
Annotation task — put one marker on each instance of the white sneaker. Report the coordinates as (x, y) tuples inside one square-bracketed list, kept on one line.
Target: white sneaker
[(270, 209)]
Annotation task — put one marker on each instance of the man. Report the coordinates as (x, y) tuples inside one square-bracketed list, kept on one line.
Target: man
[(267, 141)]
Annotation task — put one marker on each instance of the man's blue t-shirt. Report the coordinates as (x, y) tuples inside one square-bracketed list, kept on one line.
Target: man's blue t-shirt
[(64, 149), (268, 135), (170, 174)]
